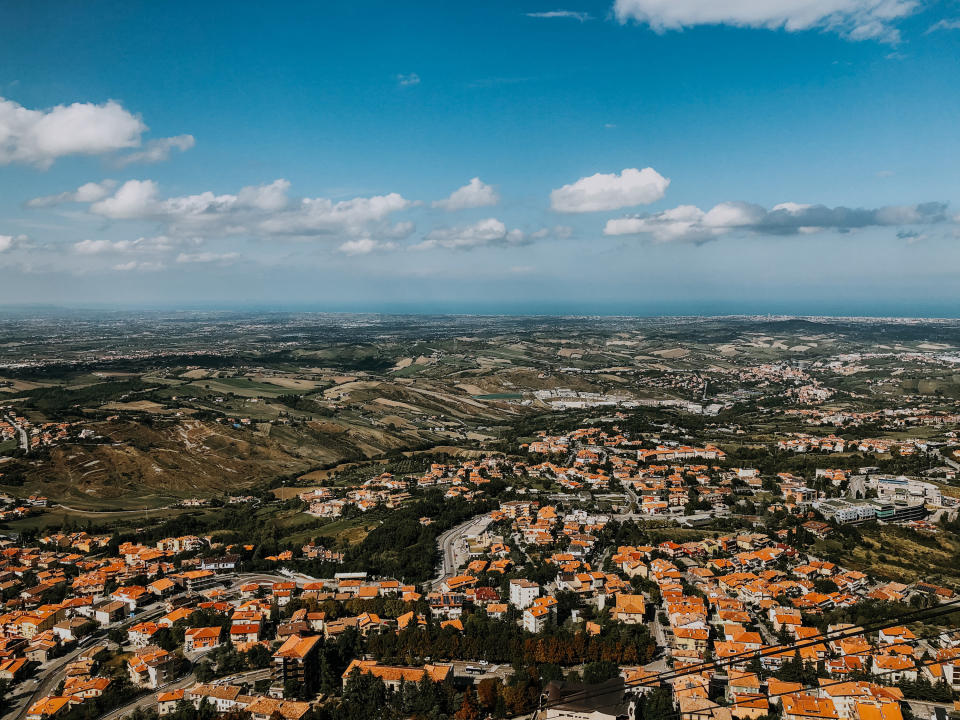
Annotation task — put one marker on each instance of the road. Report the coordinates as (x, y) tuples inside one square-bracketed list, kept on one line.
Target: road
[(188, 680), (52, 674), (24, 438), (923, 710), (659, 637), (857, 487), (133, 511), (150, 699), (952, 463), (452, 551)]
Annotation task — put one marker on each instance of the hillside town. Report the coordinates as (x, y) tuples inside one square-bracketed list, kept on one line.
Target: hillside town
[(571, 573)]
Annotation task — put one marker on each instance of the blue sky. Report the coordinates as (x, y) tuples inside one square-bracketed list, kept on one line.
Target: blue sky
[(634, 156)]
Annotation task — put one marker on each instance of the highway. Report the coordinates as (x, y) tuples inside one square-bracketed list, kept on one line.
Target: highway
[(453, 552)]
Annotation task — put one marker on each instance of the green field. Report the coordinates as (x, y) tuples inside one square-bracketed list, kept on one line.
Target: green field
[(240, 386)]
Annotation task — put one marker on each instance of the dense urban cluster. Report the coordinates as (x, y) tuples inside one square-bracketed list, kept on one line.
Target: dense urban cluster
[(571, 597)]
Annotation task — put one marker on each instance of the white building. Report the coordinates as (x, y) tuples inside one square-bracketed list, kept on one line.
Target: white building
[(523, 593)]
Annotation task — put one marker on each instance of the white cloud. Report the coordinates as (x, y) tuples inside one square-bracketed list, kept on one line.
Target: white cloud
[(610, 191), (408, 79), (158, 150), (480, 234), (158, 244), (683, 223), (11, 242), (207, 258), (474, 194), (139, 199), (322, 216), (688, 223), (854, 19), (139, 266), (98, 247), (39, 137), (135, 199), (265, 197), (563, 14), (365, 246), (945, 24), (86, 193), (261, 210)]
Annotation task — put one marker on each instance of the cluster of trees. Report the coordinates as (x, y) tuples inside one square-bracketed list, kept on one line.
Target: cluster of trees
[(59, 401), (923, 689), (502, 641), (796, 670), (225, 660), (865, 612), (770, 462), (402, 546), (304, 404), (365, 696)]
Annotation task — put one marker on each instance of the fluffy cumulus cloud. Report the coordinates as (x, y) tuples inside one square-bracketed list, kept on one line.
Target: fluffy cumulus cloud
[(39, 137), (86, 193), (357, 216), (140, 200), (480, 234), (135, 199), (610, 191), (256, 211), (474, 194), (158, 150), (855, 19), (688, 223)]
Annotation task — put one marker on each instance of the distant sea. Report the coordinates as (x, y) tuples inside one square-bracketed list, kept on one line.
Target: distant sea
[(805, 308)]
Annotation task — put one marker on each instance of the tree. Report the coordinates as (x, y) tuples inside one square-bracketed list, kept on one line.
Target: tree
[(258, 657), (204, 672), (468, 709), (656, 705), (164, 639), (488, 691), (597, 672)]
